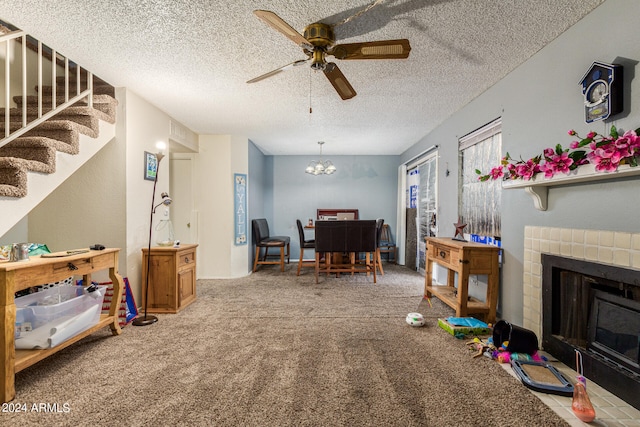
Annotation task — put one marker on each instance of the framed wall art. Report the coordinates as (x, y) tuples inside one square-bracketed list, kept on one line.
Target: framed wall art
[(150, 166), (240, 208)]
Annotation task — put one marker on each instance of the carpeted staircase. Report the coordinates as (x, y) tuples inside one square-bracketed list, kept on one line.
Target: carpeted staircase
[(36, 150)]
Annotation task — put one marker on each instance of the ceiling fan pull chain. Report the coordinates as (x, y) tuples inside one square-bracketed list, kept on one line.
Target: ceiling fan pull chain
[(310, 109), (357, 14)]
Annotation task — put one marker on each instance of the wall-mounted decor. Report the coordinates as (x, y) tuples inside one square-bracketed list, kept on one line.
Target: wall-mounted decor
[(150, 166), (240, 208), (602, 90)]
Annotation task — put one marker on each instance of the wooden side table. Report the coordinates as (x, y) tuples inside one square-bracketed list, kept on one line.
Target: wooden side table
[(172, 283), (464, 258)]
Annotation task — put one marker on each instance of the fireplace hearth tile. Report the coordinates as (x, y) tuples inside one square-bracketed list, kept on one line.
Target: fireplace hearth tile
[(611, 411), (591, 253), (592, 237), (607, 239), (544, 233), (577, 251), (622, 240), (635, 263), (621, 257), (578, 236), (605, 255)]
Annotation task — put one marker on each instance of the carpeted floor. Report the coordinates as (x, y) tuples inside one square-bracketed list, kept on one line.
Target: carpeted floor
[(273, 349)]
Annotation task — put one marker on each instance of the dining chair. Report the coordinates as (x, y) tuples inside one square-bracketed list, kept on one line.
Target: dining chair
[(304, 244), (386, 244), (379, 227), (264, 240)]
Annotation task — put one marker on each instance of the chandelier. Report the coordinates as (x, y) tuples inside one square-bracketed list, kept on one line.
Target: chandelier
[(320, 167)]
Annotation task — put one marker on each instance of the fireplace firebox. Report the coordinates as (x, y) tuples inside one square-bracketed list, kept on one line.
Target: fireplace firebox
[(594, 308)]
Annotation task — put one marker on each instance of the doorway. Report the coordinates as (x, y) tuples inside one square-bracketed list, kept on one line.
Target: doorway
[(183, 215), (420, 221)]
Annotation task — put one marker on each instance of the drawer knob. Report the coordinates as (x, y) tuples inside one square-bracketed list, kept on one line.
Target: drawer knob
[(442, 254), (186, 259)]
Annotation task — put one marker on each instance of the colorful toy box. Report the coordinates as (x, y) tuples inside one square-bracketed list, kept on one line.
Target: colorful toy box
[(460, 326)]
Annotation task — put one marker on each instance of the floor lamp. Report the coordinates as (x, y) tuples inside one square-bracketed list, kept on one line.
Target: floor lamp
[(166, 200)]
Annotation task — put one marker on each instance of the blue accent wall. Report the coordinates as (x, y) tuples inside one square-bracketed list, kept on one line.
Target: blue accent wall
[(258, 191), (366, 183)]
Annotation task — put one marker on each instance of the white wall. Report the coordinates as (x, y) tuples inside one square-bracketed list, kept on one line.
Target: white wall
[(87, 208), (219, 158), (18, 233), (143, 126)]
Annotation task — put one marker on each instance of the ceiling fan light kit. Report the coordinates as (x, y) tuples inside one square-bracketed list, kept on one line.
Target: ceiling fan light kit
[(319, 167), (319, 41)]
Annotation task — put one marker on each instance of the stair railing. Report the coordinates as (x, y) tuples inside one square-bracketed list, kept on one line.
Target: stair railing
[(9, 40)]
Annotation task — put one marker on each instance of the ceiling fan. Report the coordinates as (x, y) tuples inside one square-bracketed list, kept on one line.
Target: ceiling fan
[(318, 42)]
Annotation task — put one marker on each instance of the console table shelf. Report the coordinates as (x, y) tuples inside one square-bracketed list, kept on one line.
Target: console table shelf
[(464, 258), (26, 358), (449, 296)]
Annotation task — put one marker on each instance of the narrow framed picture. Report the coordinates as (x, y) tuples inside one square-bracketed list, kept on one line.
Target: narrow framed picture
[(240, 208), (150, 166)]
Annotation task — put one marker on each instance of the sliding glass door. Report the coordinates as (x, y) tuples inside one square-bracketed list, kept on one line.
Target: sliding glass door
[(421, 209)]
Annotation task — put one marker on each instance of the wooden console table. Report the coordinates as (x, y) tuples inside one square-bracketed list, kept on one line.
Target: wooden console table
[(464, 258), (16, 276)]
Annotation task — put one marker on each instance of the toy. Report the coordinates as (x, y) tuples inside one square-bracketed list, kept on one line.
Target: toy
[(415, 319), (580, 403), (506, 357), (479, 345)]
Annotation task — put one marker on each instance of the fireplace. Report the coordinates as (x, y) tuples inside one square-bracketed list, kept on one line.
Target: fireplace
[(594, 308)]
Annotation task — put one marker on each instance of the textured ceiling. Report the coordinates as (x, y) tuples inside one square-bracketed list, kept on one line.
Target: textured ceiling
[(192, 58)]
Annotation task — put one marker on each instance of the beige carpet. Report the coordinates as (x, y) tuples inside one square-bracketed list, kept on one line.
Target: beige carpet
[(274, 349)]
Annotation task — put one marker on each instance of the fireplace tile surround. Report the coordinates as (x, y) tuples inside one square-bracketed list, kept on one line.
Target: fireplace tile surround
[(606, 247)]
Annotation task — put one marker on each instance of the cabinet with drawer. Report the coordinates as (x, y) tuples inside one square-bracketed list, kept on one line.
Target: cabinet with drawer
[(463, 258), (172, 279)]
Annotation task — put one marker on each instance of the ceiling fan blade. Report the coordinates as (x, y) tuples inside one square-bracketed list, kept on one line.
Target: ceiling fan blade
[(383, 49), (339, 81), (278, 70), (278, 24)]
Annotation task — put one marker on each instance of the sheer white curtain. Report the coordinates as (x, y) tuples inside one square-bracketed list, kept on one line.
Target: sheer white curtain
[(480, 202)]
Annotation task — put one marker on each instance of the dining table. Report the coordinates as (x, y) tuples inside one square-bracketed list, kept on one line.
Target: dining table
[(335, 239)]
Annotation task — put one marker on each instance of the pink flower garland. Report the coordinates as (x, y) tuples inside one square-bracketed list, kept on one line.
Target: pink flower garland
[(605, 152)]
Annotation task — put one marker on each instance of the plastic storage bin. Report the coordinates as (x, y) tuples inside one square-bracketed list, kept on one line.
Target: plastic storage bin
[(48, 318)]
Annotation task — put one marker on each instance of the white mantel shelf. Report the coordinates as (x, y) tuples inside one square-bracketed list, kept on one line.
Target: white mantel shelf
[(538, 187)]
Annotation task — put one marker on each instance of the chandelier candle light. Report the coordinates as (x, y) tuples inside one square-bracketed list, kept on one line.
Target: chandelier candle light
[(166, 200), (320, 167)]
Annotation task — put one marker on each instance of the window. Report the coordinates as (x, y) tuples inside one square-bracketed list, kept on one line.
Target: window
[(480, 202)]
